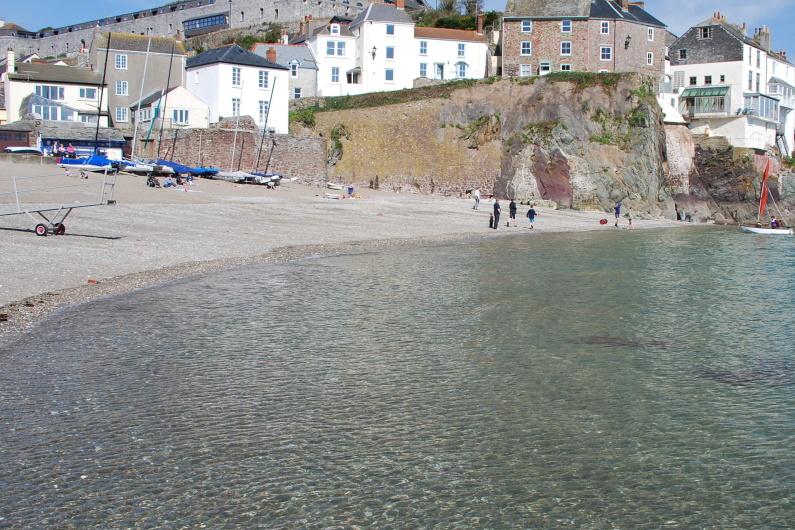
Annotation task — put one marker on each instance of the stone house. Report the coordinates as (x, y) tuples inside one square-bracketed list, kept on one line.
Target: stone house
[(235, 82), (132, 72), (735, 86), (543, 36), (299, 60)]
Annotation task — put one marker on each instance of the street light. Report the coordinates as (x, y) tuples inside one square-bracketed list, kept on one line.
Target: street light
[(627, 41), (372, 52)]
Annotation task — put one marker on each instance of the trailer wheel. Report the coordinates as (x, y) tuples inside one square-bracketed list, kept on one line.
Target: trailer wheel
[(60, 229), (41, 229)]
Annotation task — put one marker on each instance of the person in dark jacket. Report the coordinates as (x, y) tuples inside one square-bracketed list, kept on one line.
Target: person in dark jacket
[(497, 211), (512, 213)]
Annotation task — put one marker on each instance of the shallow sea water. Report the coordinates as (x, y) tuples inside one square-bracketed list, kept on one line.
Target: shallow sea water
[(605, 380)]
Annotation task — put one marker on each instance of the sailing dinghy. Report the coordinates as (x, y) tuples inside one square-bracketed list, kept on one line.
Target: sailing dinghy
[(764, 195)]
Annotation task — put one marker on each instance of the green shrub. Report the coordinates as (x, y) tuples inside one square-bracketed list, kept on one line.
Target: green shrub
[(305, 117)]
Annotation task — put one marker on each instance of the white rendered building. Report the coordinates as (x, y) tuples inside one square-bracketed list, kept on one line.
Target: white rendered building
[(233, 81), (450, 53), (179, 107)]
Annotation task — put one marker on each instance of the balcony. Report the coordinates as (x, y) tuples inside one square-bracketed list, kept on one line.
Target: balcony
[(708, 102)]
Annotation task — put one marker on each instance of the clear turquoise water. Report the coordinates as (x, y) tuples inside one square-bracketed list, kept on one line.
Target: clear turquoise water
[(606, 380)]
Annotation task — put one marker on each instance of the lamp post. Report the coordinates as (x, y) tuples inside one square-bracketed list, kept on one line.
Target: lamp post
[(372, 52), (627, 41)]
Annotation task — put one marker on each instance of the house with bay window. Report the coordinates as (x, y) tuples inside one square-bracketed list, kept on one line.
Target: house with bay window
[(544, 36), (133, 71), (53, 93), (735, 86), (236, 82)]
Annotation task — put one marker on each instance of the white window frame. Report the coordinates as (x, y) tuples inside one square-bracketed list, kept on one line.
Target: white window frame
[(604, 71), (423, 69), (331, 48), (237, 76), (423, 47), (236, 104), (120, 61), (386, 75), (334, 29), (122, 115), (335, 73), (529, 48), (563, 26), (650, 34), (462, 50), (458, 66), (84, 91), (122, 88), (297, 93), (565, 67), (526, 26), (294, 69), (542, 64), (525, 70), (604, 29), (650, 59), (263, 79), (390, 50), (180, 116), (609, 53), (562, 53), (263, 111), (340, 48)]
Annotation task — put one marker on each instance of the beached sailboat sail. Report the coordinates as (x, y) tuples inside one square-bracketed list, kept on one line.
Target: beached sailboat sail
[(764, 195)]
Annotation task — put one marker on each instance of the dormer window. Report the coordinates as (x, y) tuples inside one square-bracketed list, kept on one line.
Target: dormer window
[(335, 29), (705, 33)]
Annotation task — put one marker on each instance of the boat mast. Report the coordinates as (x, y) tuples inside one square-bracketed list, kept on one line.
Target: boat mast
[(101, 93), (237, 125), (140, 97), (265, 125), (165, 102)]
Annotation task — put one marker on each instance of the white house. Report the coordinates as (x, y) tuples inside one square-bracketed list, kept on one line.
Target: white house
[(179, 107), (236, 82), (53, 93), (338, 67), (450, 53), (735, 86)]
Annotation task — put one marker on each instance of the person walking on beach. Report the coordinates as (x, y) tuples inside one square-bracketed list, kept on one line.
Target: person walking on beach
[(497, 211), (531, 215), (476, 195), (617, 210), (512, 213)]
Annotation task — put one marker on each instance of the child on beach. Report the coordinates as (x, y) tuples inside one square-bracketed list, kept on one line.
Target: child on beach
[(531, 215)]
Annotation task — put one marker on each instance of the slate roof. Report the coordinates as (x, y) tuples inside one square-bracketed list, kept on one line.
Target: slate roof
[(598, 9), (78, 131), (138, 43), (382, 13), (148, 100), (56, 74), (286, 53), (18, 126), (740, 35), (232, 54), (448, 34)]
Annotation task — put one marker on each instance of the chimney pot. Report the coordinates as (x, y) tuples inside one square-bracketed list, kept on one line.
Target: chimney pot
[(480, 23), (625, 5), (270, 55), (400, 4)]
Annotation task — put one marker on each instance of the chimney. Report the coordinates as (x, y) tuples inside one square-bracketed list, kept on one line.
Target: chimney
[(270, 55), (301, 29), (400, 4), (625, 5), (641, 5), (480, 23), (763, 37), (11, 63), (285, 37), (744, 28)]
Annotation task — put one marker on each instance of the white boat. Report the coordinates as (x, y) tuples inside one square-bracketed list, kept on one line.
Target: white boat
[(767, 231), (137, 167), (764, 195), (333, 186), (236, 176)]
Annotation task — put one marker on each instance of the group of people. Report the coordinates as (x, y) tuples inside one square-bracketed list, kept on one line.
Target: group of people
[(169, 182), (494, 221), (69, 151)]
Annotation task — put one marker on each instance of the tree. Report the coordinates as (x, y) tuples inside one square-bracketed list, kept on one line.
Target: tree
[(472, 7)]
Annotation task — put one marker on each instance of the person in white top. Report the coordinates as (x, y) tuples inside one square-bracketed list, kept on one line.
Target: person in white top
[(476, 195)]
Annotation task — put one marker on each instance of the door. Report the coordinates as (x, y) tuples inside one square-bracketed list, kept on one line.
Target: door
[(439, 70), (544, 68)]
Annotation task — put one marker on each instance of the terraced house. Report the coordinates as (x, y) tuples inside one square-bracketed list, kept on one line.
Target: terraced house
[(543, 36)]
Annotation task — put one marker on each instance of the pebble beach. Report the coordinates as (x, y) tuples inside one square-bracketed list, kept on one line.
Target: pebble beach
[(150, 236)]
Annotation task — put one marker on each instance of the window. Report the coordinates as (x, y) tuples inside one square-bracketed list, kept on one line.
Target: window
[(758, 59), (87, 118), (47, 112), (263, 112), (544, 68), (121, 88), (121, 114), (50, 92), (757, 82), (341, 48), (88, 93), (525, 70), (605, 28), (296, 93), (389, 74), (604, 71), (682, 54), (650, 34), (707, 79), (335, 74), (461, 49), (565, 47), (390, 29), (565, 68), (750, 80), (650, 58), (693, 81), (121, 62), (263, 79), (235, 106), (180, 117), (723, 79), (423, 69), (423, 47), (330, 47), (606, 53), (293, 69), (704, 33), (527, 26), (461, 70), (390, 52), (235, 76), (193, 26), (762, 106), (526, 48), (335, 29), (565, 26)]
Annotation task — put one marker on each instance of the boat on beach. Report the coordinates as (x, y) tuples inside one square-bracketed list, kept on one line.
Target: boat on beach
[(775, 228), (91, 163), (767, 231)]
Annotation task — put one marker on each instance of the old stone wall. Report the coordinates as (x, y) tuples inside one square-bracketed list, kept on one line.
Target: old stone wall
[(303, 157)]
